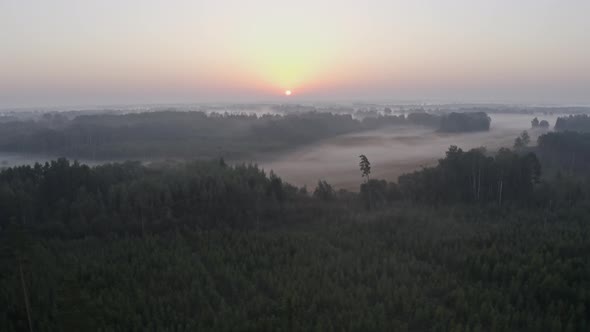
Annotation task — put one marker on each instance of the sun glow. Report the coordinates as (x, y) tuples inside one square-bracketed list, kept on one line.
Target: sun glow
[(288, 93)]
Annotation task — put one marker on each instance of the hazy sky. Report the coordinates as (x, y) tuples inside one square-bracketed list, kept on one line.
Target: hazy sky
[(66, 52)]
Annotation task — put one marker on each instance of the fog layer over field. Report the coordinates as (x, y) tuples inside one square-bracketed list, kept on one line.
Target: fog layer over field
[(392, 151)]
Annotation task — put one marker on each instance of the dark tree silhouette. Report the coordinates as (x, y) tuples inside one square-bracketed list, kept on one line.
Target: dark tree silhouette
[(365, 167)]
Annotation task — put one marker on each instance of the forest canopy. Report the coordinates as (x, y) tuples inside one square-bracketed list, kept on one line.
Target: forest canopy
[(214, 246), (465, 122), (577, 122)]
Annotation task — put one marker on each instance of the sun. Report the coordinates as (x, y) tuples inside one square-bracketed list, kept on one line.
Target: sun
[(288, 92)]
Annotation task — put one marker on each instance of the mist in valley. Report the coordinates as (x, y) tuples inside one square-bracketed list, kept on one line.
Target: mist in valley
[(310, 144), (392, 151)]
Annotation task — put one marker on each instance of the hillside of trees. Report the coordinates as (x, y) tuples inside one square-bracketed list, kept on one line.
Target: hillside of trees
[(578, 122), (198, 135), (567, 151), (480, 242), (465, 122), (405, 270)]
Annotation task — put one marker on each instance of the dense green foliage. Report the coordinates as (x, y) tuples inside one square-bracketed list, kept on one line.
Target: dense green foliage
[(432, 270), (70, 197), (578, 122), (565, 151), (474, 176), (465, 122), (479, 242)]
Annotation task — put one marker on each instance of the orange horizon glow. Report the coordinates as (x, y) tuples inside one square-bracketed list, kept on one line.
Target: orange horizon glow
[(233, 50)]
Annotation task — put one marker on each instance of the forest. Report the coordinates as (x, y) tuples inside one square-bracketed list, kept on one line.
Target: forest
[(462, 122), (198, 135), (303, 165), (577, 122), (481, 241)]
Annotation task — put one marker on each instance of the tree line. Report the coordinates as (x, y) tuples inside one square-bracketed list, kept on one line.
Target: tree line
[(207, 193), (191, 135), (576, 122)]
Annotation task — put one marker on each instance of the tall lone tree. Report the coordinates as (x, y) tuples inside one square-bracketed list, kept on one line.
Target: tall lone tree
[(365, 166)]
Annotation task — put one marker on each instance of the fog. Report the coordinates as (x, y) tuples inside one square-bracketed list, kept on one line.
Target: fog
[(392, 151)]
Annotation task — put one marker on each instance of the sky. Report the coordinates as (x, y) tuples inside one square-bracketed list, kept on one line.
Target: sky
[(66, 52)]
